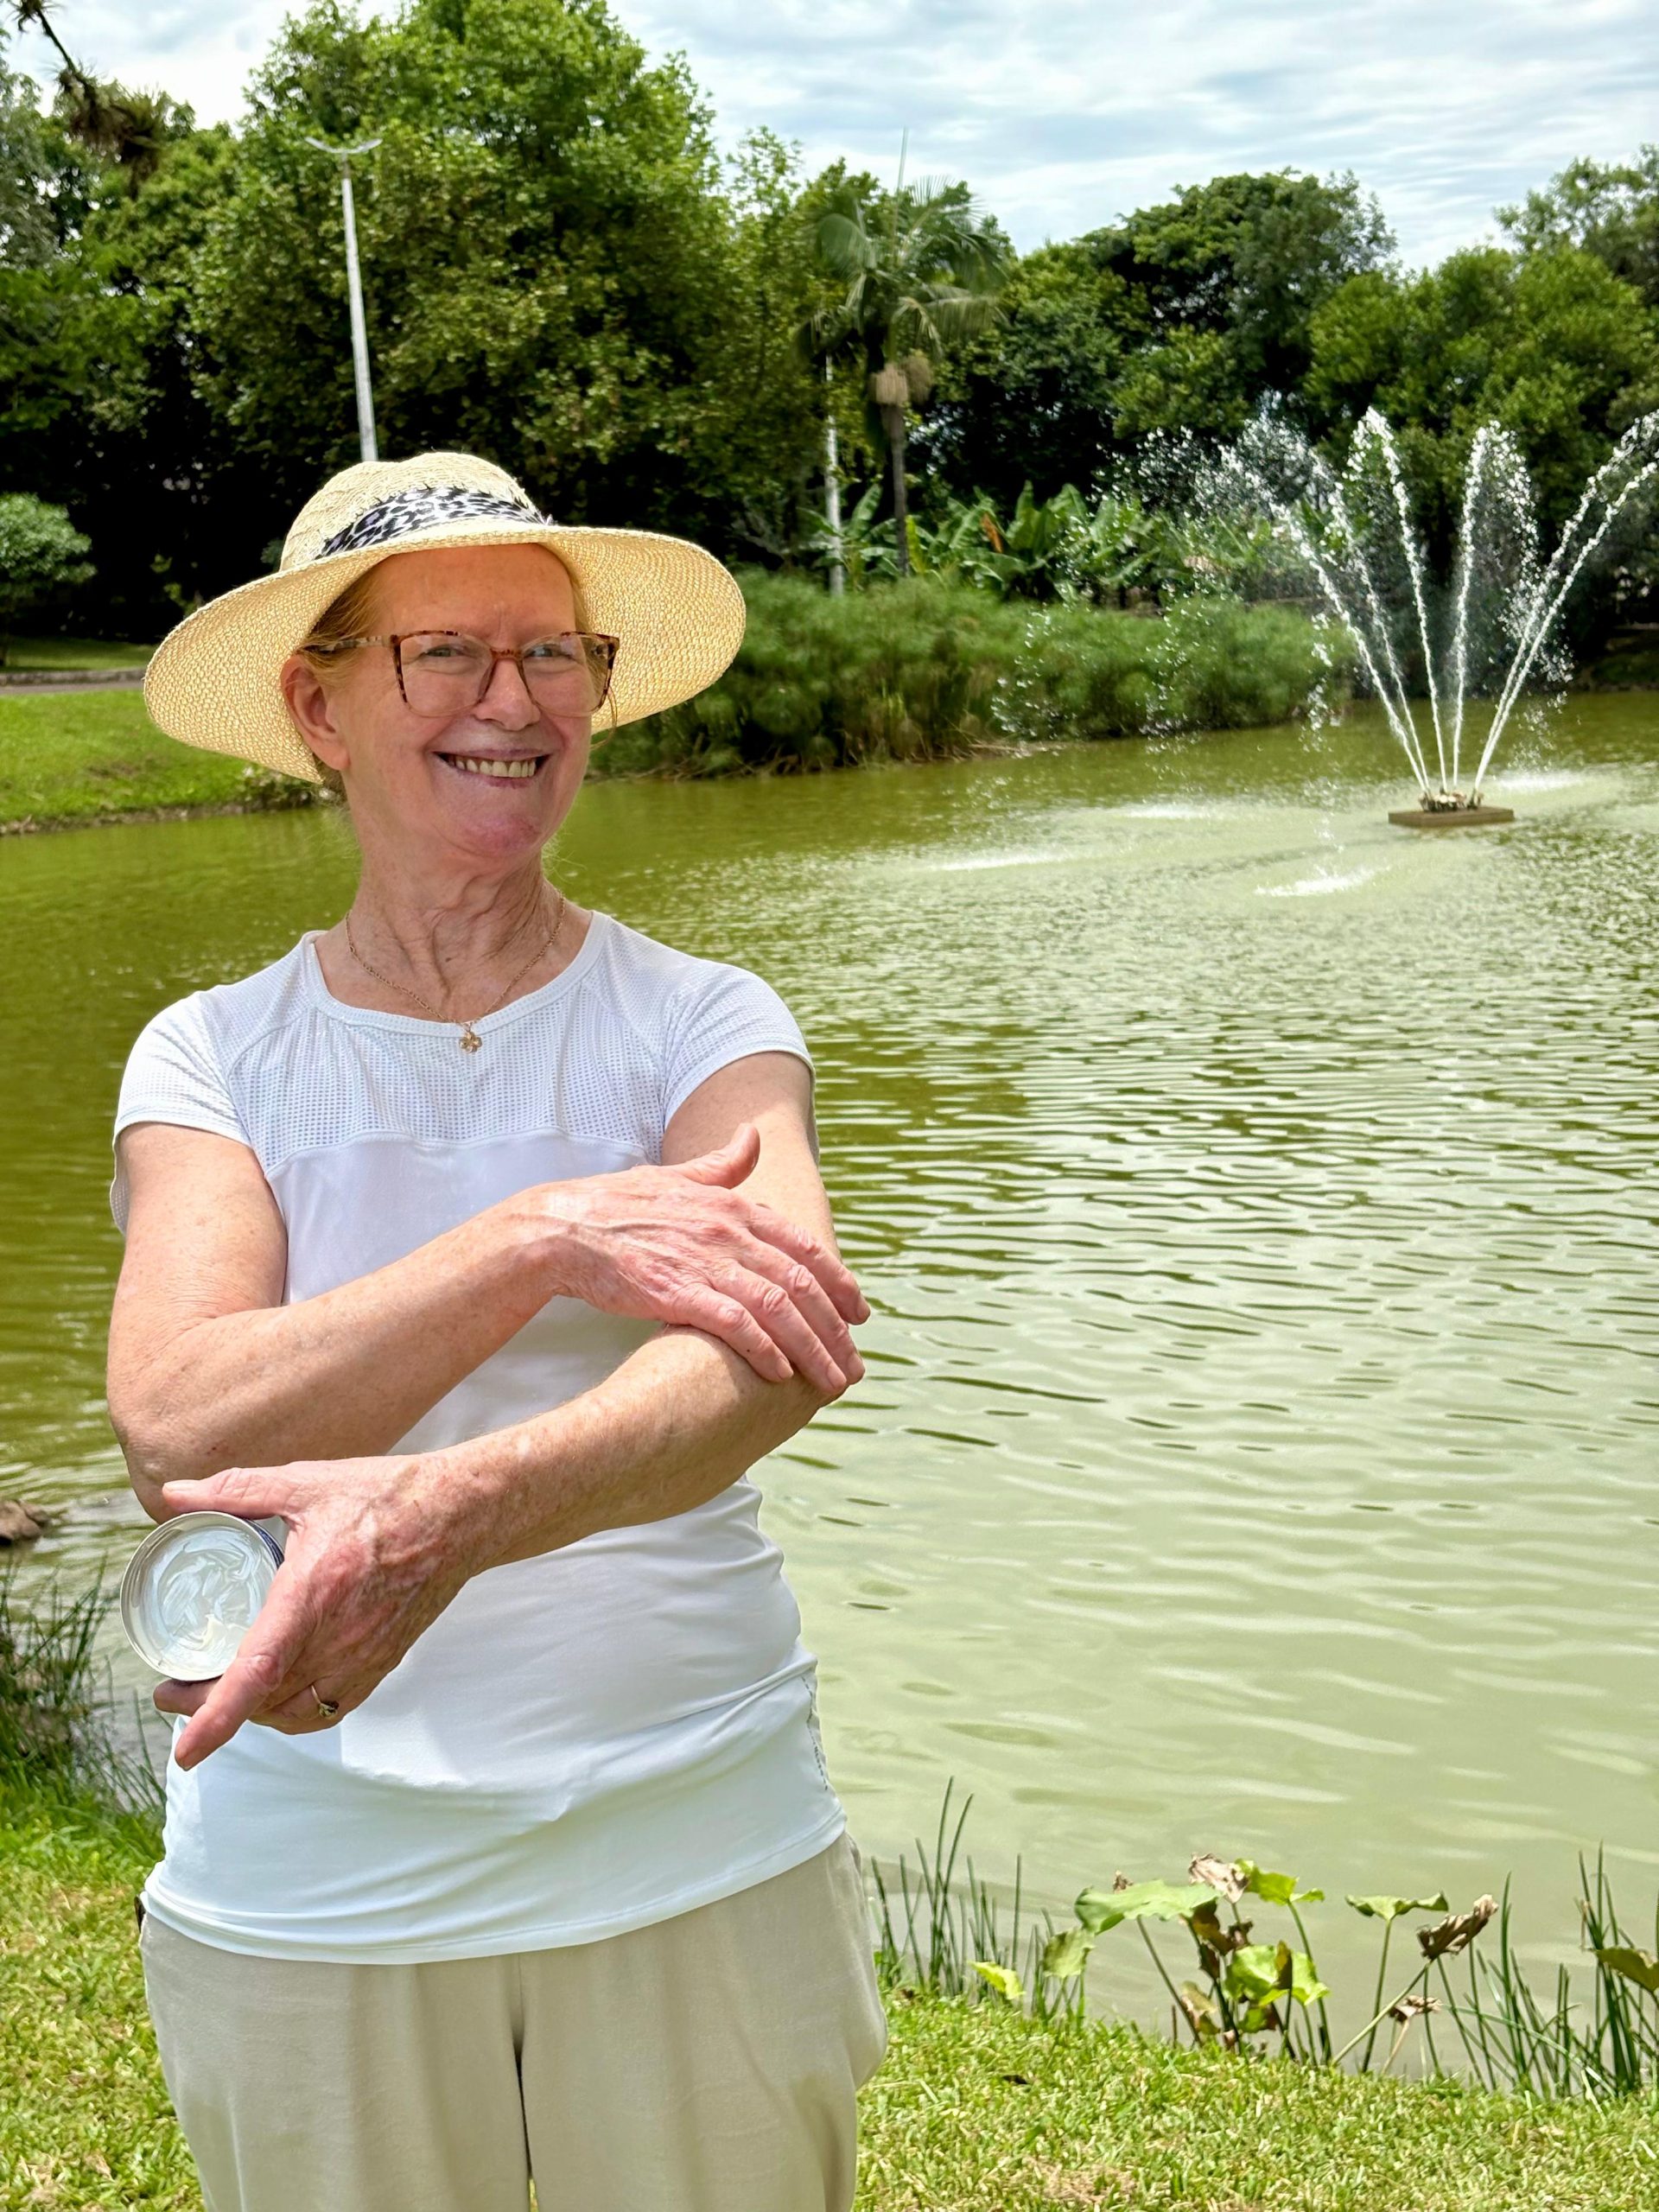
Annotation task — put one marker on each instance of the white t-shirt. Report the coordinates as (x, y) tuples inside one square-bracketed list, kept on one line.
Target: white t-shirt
[(581, 1743)]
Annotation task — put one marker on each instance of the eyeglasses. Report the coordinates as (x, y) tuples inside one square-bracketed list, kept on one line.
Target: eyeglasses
[(446, 671)]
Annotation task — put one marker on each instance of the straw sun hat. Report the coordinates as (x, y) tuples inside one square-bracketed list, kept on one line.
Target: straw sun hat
[(213, 682)]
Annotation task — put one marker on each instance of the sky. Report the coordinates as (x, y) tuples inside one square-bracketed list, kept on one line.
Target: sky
[(1062, 114)]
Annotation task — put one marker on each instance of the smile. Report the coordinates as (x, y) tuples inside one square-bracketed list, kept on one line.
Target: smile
[(485, 764)]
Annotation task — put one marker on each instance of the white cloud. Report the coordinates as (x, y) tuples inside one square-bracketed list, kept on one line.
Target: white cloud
[(1063, 113)]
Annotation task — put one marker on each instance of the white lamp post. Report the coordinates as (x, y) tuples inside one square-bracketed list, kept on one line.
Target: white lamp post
[(832, 490), (345, 155)]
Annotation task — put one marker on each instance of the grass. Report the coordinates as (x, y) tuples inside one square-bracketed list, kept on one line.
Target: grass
[(96, 756), (94, 655), (980, 2107), (916, 671)]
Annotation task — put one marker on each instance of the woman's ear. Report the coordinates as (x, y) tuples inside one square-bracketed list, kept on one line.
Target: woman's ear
[(312, 711)]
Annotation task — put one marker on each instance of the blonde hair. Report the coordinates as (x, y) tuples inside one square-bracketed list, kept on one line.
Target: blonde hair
[(348, 616)]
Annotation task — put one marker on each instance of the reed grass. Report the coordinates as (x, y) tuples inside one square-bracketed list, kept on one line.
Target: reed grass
[(927, 670), (58, 1742), (944, 1932)]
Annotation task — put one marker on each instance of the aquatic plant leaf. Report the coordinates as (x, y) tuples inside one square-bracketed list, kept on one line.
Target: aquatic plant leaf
[(1215, 1938), (1257, 1970), (1391, 1908), (1276, 1889), (1220, 1873), (1001, 1979), (1066, 1956), (1304, 1983), (1639, 1966), (1095, 1909), (1100, 1909), (1203, 2014), (1457, 1931)]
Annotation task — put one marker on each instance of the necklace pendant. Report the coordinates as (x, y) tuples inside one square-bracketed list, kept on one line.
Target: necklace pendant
[(469, 1040)]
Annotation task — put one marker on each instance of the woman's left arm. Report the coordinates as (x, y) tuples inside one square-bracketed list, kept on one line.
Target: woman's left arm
[(378, 1547), (678, 1422)]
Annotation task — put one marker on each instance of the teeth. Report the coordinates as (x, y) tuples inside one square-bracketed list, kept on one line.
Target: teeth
[(479, 764)]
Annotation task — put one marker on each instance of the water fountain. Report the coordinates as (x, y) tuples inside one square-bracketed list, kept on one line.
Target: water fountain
[(1497, 632)]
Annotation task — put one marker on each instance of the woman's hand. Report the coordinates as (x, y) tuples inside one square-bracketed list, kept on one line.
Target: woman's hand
[(681, 1245), (376, 1550)]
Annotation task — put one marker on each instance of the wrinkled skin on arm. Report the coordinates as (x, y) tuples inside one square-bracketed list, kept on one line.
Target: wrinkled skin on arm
[(209, 1369), (379, 1545)]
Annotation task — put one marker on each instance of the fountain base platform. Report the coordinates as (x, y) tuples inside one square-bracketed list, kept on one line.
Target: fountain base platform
[(1450, 818)]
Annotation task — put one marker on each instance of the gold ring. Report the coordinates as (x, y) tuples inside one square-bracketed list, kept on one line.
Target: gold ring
[(327, 1707)]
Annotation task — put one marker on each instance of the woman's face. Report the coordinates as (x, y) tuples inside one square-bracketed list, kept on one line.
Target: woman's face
[(406, 773)]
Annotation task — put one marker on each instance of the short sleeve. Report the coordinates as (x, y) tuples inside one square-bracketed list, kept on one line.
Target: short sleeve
[(723, 1015), (173, 1074)]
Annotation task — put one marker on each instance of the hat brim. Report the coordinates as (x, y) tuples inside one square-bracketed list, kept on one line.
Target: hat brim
[(214, 682)]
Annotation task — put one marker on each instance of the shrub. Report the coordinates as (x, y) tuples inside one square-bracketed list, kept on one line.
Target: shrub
[(925, 669), (41, 554)]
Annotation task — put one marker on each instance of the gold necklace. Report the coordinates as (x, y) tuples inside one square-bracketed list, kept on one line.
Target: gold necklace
[(469, 1040)]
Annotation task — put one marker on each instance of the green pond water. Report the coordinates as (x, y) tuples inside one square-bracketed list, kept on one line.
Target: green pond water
[(1258, 1205)]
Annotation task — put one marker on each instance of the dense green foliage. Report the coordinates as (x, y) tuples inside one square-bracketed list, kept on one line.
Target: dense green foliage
[(560, 273), (42, 554), (1182, 317), (925, 669), (907, 672), (1611, 209)]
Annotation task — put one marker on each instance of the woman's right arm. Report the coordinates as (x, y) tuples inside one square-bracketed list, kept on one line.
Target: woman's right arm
[(209, 1369)]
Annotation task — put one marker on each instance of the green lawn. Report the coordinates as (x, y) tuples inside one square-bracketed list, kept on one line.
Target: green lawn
[(977, 2110), (96, 655), (91, 755)]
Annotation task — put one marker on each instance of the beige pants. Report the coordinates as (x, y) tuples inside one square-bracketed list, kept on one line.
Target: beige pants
[(706, 2064)]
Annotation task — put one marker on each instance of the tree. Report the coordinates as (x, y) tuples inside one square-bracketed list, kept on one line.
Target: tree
[(922, 267), (98, 354), (1550, 345), (126, 128), (40, 554), (1611, 210), (547, 261), (771, 392), (1182, 317), (1246, 261), (1034, 398)]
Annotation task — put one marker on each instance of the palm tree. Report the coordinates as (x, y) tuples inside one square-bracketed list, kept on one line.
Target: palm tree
[(128, 129), (922, 266)]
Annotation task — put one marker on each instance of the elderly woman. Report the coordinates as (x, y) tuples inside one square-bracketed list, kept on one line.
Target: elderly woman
[(481, 1238)]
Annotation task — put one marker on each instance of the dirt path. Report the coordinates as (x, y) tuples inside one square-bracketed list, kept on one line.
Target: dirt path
[(49, 684)]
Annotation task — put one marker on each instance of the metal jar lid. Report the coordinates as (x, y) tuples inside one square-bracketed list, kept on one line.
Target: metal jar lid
[(193, 1589)]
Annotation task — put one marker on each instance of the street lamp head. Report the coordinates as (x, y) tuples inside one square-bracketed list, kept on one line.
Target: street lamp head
[(343, 153)]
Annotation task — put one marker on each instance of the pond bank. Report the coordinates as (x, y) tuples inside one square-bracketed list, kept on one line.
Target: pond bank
[(915, 673), (977, 2107)]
